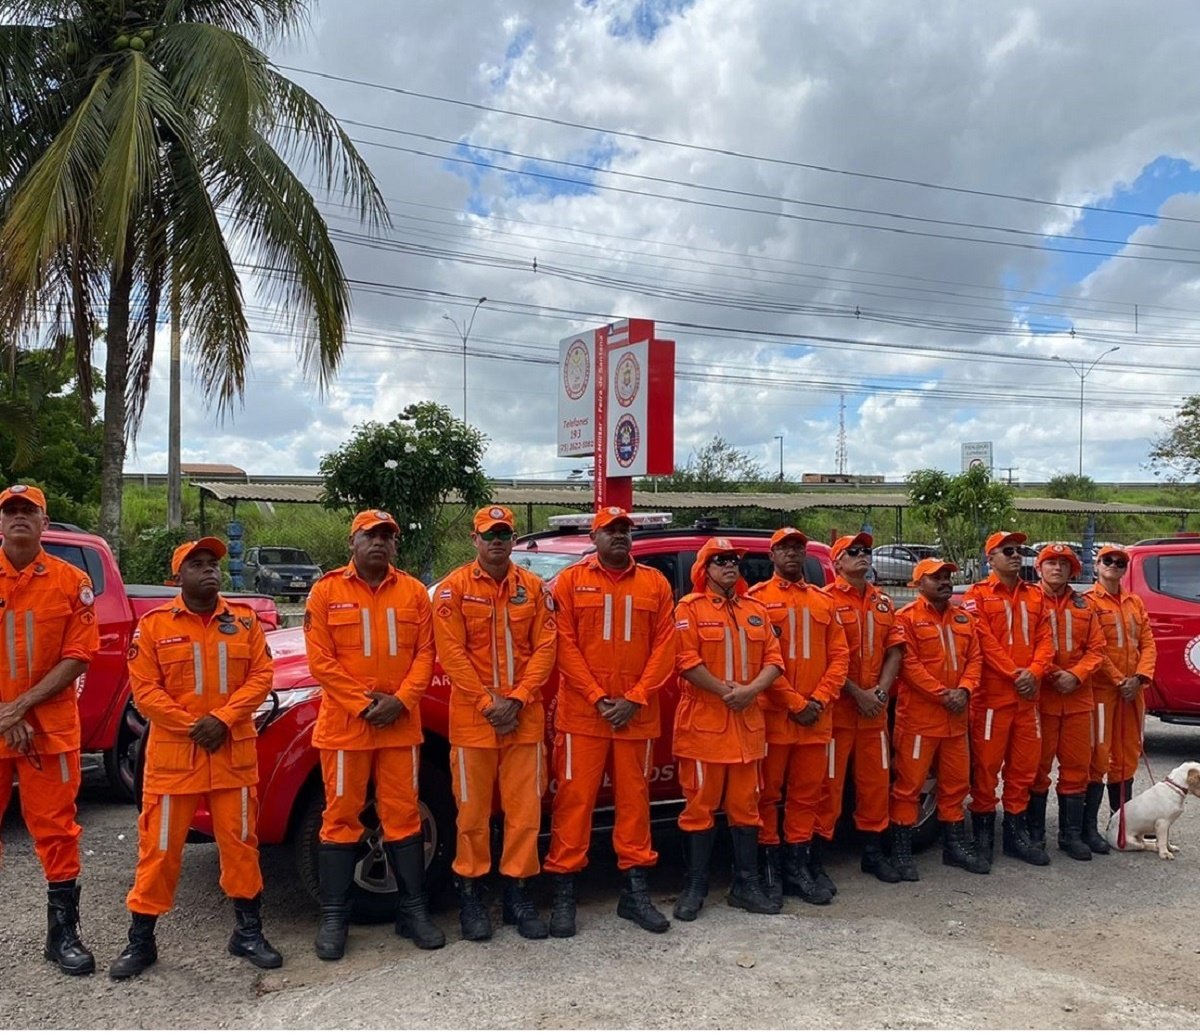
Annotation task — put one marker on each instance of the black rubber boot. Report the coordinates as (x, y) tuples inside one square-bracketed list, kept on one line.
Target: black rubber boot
[(248, 940), (63, 945), (519, 911), (1017, 843), (1070, 828), (140, 952), (959, 852), (473, 916), (562, 909), (1116, 799), (902, 858), (798, 880), (816, 868), (770, 871), (747, 890), (697, 854), (335, 869), (874, 860), (407, 858), (983, 826), (1035, 819), (1096, 843), (635, 903)]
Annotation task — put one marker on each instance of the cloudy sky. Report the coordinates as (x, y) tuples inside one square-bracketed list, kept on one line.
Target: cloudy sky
[(921, 206)]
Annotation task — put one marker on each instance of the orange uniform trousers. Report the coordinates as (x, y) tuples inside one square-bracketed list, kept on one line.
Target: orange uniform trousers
[(1008, 739), (1069, 738), (1116, 735), (870, 750), (795, 774), (49, 785), (579, 764), (708, 786), (162, 831), (914, 759), (520, 770), (347, 775)]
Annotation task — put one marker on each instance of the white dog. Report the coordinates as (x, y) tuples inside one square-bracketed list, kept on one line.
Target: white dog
[(1153, 812)]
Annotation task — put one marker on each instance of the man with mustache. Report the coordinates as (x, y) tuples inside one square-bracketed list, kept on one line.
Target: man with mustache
[(616, 649), (368, 632), (199, 667), (49, 636)]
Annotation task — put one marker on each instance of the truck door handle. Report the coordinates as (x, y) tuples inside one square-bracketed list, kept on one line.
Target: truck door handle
[(111, 639)]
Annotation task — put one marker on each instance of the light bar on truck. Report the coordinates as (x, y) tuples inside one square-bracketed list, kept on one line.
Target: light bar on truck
[(583, 521)]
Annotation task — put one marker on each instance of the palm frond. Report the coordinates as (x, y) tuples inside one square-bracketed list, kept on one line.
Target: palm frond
[(265, 20)]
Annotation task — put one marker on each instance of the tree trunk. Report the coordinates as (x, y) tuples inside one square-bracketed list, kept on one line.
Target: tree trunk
[(116, 377)]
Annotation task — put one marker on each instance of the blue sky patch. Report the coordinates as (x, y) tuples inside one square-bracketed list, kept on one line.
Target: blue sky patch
[(645, 19)]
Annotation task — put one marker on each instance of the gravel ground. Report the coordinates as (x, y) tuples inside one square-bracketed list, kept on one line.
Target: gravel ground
[(1105, 944)]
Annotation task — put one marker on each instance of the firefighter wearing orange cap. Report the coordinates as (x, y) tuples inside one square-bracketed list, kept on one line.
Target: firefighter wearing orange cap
[(1065, 703), (495, 631), (199, 668), (726, 656), (799, 720), (1005, 726), (941, 667), (49, 637), (616, 649), (860, 715), (368, 632), (1119, 683)]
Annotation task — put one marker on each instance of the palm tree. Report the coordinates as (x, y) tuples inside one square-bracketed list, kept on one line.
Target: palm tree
[(144, 146)]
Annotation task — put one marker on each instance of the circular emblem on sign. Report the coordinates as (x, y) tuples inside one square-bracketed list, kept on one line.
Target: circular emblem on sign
[(626, 439), (577, 370), (1191, 655), (628, 377), (496, 513)]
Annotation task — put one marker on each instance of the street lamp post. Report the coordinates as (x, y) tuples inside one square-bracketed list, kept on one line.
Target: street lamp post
[(1082, 371), (464, 332), (779, 438)]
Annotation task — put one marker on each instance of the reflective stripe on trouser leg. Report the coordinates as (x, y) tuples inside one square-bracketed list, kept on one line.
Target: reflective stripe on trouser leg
[(989, 730), (911, 767), (1105, 705), (241, 876), (162, 832), (48, 806), (474, 770)]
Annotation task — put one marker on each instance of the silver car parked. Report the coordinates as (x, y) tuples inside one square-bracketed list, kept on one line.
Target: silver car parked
[(894, 563)]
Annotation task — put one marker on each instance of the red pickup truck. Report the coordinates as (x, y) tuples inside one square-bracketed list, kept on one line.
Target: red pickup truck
[(1165, 572), (290, 792), (110, 723)]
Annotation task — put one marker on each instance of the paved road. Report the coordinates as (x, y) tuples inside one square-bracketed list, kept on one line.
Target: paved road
[(1109, 943)]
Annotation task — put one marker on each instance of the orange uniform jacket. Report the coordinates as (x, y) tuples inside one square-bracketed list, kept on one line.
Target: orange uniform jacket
[(867, 620), (616, 638), (1079, 648), (1130, 643), (815, 657), (1014, 633), (362, 640), (181, 668), (46, 616), (733, 639), (941, 651), (494, 638)]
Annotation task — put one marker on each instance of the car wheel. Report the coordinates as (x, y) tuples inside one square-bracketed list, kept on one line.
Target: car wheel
[(120, 761), (374, 895)]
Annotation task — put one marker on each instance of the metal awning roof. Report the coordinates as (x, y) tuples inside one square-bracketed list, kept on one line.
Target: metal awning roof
[(780, 502)]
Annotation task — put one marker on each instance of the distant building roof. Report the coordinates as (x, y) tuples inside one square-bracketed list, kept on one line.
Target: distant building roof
[(211, 470)]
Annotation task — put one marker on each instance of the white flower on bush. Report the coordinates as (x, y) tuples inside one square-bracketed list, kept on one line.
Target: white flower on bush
[(390, 464), (414, 527), (409, 447), (434, 452)]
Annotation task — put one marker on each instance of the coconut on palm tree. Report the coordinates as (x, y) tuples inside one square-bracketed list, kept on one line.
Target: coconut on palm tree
[(146, 148)]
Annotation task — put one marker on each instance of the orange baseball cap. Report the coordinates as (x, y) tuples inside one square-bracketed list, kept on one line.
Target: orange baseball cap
[(843, 543), (1112, 550), (493, 516), (929, 567), (610, 515), (213, 545), (714, 547), (1059, 551), (1001, 538), (784, 533), (370, 518), (23, 491)]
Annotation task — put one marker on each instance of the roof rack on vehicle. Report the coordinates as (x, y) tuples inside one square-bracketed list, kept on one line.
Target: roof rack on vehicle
[(583, 521)]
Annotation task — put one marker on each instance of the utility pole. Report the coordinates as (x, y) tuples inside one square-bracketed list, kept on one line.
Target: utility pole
[(779, 438), (841, 438), (1082, 371), (464, 332)]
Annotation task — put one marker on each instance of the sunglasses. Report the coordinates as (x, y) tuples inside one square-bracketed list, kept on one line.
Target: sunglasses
[(725, 561), (1112, 561), (505, 535), (1009, 550), (857, 550)]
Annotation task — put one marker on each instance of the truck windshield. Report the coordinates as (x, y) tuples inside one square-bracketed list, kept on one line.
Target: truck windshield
[(545, 564)]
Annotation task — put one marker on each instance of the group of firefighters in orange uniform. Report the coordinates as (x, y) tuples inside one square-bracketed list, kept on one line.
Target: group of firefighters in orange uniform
[(781, 686)]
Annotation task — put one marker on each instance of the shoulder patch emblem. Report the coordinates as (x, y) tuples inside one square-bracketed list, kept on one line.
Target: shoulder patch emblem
[(444, 611), (754, 620), (520, 595), (550, 604), (883, 607), (246, 622), (307, 619), (961, 618), (87, 617), (132, 652), (86, 595), (227, 629), (446, 593), (682, 624)]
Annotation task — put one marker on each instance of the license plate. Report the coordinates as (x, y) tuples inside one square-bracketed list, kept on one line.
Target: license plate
[(297, 584)]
